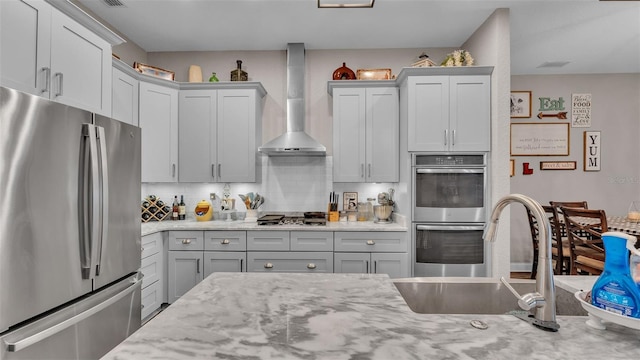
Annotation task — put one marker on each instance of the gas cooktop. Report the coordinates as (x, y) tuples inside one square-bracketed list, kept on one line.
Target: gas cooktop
[(307, 218)]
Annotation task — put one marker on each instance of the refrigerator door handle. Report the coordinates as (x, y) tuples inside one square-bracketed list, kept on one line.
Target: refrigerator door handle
[(90, 218), (104, 197), (15, 346)]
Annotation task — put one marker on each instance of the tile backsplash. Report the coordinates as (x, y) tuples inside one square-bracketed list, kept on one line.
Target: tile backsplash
[(288, 184)]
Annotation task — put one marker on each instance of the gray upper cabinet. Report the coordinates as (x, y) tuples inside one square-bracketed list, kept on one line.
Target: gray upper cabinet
[(124, 97), (219, 129), (365, 133), (159, 122), (448, 109), (41, 50)]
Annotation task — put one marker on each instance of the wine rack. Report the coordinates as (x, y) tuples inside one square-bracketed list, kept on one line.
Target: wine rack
[(154, 209)]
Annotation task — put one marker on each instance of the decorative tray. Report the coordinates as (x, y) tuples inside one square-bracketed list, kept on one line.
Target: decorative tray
[(598, 316)]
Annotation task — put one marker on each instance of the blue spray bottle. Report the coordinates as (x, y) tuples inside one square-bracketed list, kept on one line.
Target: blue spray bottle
[(615, 290)]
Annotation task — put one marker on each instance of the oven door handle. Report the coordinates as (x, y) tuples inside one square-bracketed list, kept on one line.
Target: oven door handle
[(451, 171), (460, 227)]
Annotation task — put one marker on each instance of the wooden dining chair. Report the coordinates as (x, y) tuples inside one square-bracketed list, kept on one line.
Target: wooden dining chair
[(584, 230), (560, 248), (535, 235)]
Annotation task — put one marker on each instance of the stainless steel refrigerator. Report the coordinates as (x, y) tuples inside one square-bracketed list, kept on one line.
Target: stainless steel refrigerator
[(69, 230)]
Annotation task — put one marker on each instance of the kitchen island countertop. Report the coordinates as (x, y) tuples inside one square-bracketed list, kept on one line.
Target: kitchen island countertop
[(346, 316), (191, 224)]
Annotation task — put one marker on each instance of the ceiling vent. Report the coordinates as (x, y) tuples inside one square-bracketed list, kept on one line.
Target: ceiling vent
[(113, 3)]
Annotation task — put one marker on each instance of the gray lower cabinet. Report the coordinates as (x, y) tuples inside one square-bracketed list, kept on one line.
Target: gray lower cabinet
[(393, 264), (290, 251), (194, 255), (290, 261), (152, 268), (372, 252)]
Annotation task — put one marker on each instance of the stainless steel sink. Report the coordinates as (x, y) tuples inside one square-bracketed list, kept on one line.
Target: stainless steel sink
[(474, 296)]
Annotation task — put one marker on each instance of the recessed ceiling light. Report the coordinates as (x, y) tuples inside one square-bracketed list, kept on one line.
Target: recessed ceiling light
[(553, 64), (345, 3)]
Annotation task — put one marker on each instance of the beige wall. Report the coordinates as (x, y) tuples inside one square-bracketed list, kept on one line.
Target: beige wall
[(616, 113)]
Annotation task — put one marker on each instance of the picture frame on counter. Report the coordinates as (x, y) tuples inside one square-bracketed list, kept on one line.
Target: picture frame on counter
[(520, 104), (154, 71), (557, 165), (350, 201)]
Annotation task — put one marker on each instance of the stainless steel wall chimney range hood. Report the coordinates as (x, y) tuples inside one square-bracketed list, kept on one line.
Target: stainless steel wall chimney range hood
[(295, 141)]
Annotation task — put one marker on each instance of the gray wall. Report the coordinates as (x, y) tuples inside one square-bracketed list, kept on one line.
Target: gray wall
[(616, 113)]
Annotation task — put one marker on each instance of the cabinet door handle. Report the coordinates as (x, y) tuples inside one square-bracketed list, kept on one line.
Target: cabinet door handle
[(241, 265), (362, 170), (367, 265), (219, 170), (213, 171), (173, 170), (60, 77), (369, 166), (371, 242), (268, 265), (225, 242), (311, 266), (453, 138), (375, 267), (446, 136), (47, 79), (198, 266), (186, 241)]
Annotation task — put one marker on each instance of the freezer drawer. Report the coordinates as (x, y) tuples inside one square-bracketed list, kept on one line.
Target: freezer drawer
[(87, 329)]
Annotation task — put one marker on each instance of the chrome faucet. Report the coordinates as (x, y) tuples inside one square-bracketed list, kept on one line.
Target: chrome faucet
[(544, 299)]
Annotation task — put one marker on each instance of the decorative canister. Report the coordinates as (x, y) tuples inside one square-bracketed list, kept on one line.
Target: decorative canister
[(239, 74), (344, 73), (204, 211)]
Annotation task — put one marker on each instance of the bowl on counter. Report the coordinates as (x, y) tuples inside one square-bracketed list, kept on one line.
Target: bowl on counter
[(382, 212)]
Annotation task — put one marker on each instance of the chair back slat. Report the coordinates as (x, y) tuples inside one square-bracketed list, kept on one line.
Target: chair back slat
[(584, 231)]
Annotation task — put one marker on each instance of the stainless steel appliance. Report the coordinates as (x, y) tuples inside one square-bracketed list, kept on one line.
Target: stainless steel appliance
[(449, 187), (307, 218), (449, 209), (69, 230)]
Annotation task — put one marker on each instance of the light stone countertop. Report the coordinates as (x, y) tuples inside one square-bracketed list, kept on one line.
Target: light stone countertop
[(151, 227), (348, 316)]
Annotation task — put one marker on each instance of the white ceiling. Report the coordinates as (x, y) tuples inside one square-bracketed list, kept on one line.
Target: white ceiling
[(593, 36)]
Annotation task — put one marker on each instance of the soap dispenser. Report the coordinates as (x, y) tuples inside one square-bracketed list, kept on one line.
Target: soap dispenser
[(615, 290)]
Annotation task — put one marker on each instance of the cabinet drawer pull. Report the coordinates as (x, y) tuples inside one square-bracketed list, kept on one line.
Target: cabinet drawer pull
[(225, 242), (60, 77), (371, 242), (268, 265), (47, 79), (186, 241), (142, 249), (311, 266)]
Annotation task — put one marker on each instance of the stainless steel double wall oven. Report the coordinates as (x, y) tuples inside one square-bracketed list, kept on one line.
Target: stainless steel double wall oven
[(449, 209)]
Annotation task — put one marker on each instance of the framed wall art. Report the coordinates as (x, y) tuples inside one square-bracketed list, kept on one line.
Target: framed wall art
[(557, 165), (521, 104), (591, 150), (539, 139)]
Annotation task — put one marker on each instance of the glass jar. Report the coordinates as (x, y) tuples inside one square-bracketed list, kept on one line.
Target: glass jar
[(372, 202), (363, 214)]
